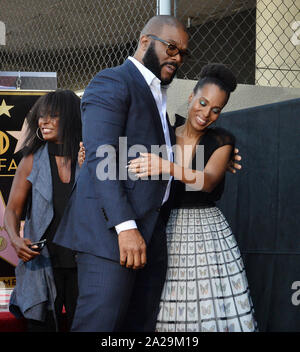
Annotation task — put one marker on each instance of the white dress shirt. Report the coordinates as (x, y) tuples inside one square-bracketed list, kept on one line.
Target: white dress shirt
[(160, 95)]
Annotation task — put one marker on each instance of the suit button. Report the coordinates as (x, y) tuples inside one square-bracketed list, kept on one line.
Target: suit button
[(158, 209)]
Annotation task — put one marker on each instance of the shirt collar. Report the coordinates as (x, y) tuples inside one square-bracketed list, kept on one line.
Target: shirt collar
[(149, 76)]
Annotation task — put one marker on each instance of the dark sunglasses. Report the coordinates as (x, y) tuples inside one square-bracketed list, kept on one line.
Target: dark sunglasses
[(172, 49)]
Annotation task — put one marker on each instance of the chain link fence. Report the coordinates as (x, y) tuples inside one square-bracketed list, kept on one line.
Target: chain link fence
[(78, 38), (277, 43), (221, 31)]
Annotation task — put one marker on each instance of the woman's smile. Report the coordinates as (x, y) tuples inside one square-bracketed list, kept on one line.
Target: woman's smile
[(201, 120)]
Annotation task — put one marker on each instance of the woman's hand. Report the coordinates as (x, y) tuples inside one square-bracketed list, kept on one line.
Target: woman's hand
[(21, 247), (232, 165), (149, 164), (81, 154)]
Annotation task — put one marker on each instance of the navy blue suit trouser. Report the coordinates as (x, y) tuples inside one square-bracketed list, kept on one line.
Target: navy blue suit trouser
[(114, 298)]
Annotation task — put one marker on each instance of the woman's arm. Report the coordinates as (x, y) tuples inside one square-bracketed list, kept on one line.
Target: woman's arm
[(216, 167), (13, 212), (150, 164)]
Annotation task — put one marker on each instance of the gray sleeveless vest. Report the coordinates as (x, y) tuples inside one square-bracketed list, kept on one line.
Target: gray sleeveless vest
[(35, 290)]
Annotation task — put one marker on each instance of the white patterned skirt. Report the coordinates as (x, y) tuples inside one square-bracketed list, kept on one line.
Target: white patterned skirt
[(206, 288)]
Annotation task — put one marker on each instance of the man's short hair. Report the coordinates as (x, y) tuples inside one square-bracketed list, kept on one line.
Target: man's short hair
[(156, 23)]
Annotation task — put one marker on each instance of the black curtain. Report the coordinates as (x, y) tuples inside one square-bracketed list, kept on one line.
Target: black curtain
[(262, 204)]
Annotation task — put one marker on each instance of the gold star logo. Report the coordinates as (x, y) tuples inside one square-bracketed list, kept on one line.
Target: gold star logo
[(19, 135), (4, 143), (3, 243), (4, 109)]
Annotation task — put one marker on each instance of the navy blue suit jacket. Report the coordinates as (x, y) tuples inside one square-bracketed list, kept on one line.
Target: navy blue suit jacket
[(117, 102)]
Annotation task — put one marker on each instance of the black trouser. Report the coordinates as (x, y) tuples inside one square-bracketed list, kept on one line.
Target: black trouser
[(114, 298), (67, 292)]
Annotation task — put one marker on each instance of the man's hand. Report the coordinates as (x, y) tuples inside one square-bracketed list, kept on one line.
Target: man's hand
[(232, 165), (132, 249)]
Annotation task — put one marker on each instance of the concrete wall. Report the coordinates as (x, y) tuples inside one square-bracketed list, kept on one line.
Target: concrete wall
[(245, 96)]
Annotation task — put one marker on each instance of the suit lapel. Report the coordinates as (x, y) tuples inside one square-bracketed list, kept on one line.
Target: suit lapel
[(140, 81)]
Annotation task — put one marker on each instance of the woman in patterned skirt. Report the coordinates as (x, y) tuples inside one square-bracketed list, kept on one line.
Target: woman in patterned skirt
[(206, 288)]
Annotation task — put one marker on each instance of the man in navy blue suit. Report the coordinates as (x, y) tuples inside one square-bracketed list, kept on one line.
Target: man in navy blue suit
[(117, 225)]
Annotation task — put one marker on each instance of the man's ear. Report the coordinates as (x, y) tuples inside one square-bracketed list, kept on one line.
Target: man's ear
[(144, 42)]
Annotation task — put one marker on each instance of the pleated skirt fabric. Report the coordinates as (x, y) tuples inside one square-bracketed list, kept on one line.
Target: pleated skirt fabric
[(206, 288)]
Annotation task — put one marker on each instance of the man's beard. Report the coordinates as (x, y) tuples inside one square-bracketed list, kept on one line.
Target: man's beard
[(151, 61)]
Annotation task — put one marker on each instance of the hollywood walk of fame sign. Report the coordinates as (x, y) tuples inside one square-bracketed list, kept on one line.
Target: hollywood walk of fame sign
[(14, 106)]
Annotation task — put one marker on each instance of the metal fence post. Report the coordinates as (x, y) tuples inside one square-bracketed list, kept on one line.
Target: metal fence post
[(165, 7), (2, 33)]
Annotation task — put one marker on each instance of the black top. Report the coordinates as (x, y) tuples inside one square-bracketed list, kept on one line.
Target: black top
[(213, 139), (61, 257)]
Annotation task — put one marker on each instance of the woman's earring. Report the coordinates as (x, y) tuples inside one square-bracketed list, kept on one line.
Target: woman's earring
[(37, 134)]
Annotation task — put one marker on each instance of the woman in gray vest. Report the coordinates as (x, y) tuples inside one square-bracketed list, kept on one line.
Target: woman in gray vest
[(46, 276)]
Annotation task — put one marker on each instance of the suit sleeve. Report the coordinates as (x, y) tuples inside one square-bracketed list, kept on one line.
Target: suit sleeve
[(104, 115)]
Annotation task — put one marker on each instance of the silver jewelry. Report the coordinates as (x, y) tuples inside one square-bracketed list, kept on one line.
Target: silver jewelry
[(37, 134)]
